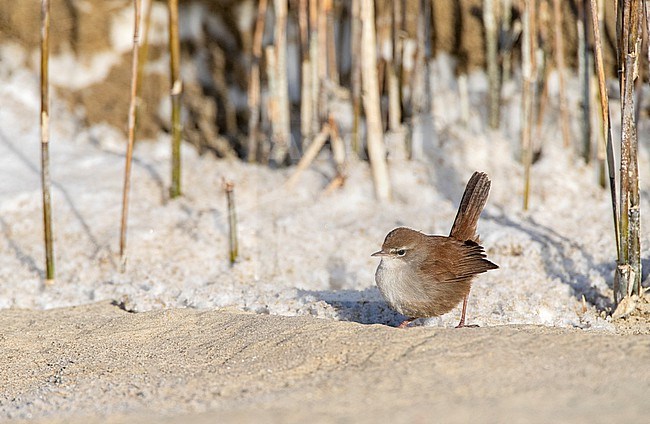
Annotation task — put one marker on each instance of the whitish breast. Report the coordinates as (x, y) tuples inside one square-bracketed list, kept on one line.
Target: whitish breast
[(399, 286)]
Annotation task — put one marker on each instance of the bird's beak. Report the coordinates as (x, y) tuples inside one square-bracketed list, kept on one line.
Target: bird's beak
[(380, 253)]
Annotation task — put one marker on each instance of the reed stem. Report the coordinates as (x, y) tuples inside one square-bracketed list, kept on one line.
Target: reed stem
[(282, 124), (506, 29), (490, 9), (305, 83), (332, 63), (627, 283), (131, 139), (309, 155), (254, 90), (607, 124), (45, 142), (355, 77), (559, 63), (144, 50), (176, 92), (372, 108), (315, 58), (233, 252), (529, 77), (585, 79)]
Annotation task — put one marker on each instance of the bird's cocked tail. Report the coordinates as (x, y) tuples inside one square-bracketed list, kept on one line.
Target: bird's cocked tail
[(471, 206)]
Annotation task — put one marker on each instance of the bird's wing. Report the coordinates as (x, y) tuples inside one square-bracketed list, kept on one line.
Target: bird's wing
[(454, 260)]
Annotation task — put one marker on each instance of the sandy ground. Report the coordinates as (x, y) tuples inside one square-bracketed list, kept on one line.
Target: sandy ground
[(98, 363)]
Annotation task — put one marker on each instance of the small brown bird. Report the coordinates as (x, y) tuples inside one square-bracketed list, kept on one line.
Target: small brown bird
[(422, 275)]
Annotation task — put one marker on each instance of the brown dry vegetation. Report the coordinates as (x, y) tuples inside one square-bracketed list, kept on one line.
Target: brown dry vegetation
[(456, 27)]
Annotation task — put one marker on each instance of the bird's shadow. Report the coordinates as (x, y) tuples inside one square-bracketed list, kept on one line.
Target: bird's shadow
[(362, 306)]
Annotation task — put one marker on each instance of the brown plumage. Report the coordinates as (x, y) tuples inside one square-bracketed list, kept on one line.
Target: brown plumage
[(470, 208), (424, 275)]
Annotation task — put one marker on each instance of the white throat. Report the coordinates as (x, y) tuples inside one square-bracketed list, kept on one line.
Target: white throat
[(395, 279)]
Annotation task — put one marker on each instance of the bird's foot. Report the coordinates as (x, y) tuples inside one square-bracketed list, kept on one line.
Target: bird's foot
[(463, 325), (406, 323)]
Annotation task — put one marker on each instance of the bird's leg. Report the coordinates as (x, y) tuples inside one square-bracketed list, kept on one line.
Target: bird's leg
[(406, 323), (461, 324)]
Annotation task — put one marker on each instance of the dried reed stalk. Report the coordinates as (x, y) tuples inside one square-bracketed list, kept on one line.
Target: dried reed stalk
[(332, 63), (321, 38), (254, 90), (131, 140), (543, 53), (45, 142), (282, 123), (541, 100), (355, 74), (390, 41), (271, 76), (336, 182), (144, 50), (315, 58), (629, 270), (370, 87), (422, 105), (397, 35), (621, 47), (506, 28), (602, 149), (233, 251), (529, 46), (309, 155), (303, 28), (607, 124), (221, 86), (306, 102), (646, 5), (584, 75), (338, 148), (410, 59), (490, 18), (176, 92), (559, 63), (420, 82)]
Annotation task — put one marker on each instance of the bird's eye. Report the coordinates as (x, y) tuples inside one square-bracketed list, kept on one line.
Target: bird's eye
[(401, 252)]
